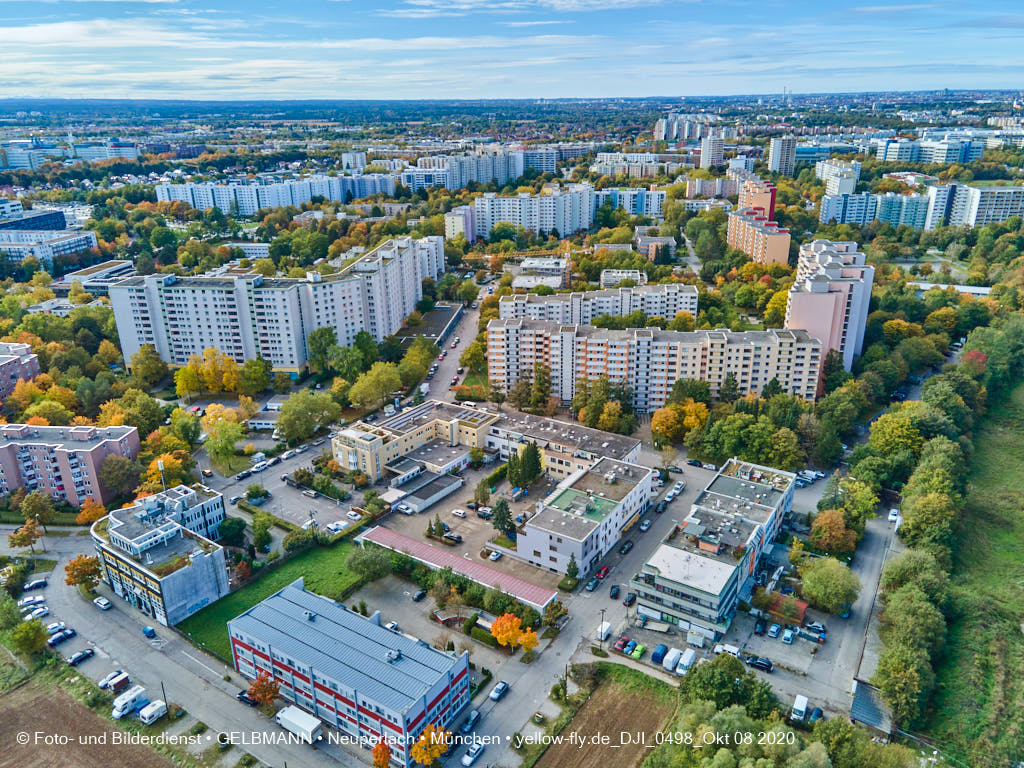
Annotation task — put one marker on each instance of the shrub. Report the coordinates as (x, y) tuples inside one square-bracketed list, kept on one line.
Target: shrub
[(485, 637), (470, 623)]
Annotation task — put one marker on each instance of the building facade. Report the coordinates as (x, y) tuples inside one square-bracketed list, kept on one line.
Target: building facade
[(62, 462), (610, 278), (752, 231), (159, 554), (16, 245), (961, 205), (17, 361), (840, 176), (755, 192), (370, 682), (560, 268), (249, 316), (461, 221), (648, 360), (582, 308), (831, 296), (712, 151), (782, 155)]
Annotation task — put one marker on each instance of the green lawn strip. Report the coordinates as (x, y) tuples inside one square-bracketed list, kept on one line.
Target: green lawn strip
[(323, 569), (978, 705)]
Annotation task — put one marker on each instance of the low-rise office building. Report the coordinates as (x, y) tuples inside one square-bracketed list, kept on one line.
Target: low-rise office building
[(584, 517), (62, 462), (610, 278), (159, 554), (649, 360), (663, 300), (95, 279), (371, 683), (696, 576), (548, 267)]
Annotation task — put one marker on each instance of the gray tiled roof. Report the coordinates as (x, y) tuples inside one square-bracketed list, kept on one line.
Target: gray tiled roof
[(344, 646)]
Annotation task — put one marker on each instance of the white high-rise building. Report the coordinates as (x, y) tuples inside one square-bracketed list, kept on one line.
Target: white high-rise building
[(863, 208), (712, 151), (565, 210), (249, 316), (840, 176), (461, 221), (958, 205), (782, 155), (831, 296), (582, 308)]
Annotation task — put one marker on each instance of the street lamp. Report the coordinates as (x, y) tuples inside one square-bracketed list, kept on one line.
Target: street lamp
[(600, 632)]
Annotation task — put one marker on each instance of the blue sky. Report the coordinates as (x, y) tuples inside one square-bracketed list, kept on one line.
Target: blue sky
[(501, 48)]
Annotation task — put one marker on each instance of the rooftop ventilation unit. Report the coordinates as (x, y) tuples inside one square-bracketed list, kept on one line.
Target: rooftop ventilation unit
[(310, 616)]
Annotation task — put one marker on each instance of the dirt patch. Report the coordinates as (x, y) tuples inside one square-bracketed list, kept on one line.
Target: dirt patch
[(36, 708), (610, 710)]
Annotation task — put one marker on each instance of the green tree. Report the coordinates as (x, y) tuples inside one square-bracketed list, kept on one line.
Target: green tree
[(319, 342), (474, 357), (572, 570), (367, 347), (29, 638), (690, 389), (376, 385), (347, 362), (223, 434), (10, 616), (905, 679), (120, 474), (726, 682), (530, 464), (829, 584), (147, 367), (232, 531), (261, 524), (911, 619), (369, 563), (729, 391), (254, 376), (502, 520), (185, 426), (540, 388), (39, 507), (306, 412), (918, 568), (482, 494)]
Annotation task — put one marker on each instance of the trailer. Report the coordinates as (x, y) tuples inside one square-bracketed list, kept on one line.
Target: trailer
[(300, 723), (133, 699)]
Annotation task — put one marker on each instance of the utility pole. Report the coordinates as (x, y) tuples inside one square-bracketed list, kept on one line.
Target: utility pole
[(600, 630)]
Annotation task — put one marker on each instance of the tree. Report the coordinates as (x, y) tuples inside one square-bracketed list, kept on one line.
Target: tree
[(83, 571), (911, 619), (505, 629), (29, 638), (369, 562), (829, 584), (147, 367), (540, 388), (833, 371), (367, 347), (786, 452), (519, 393), (376, 385), (918, 568), (502, 520), (482, 494), (188, 381), (347, 362), (572, 570), (264, 689), (25, 536), (254, 376), (528, 640), (726, 682), (134, 408), (222, 435), (474, 357), (305, 412), (553, 613), (905, 678), (829, 533), (186, 426), (530, 464), (319, 342), (10, 616), (431, 744), (120, 474), (381, 753), (261, 524), (232, 532), (893, 433), (39, 507), (729, 391), (611, 416), (666, 425), (928, 519)]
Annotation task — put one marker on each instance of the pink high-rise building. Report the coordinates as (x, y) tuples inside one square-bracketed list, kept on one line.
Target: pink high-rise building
[(16, 362)]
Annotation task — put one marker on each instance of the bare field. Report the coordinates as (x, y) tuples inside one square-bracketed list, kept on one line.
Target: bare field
[(34, 707), (611, 709)]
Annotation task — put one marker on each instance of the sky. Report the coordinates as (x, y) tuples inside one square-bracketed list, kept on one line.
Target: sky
[(453, 49)]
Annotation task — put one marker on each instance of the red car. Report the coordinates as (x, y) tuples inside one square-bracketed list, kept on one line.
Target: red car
[(621, 643), (603, 571)]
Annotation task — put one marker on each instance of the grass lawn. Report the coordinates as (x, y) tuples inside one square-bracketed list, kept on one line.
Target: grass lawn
[(233, 466), (979, 699), (476, 380), (322, 567)]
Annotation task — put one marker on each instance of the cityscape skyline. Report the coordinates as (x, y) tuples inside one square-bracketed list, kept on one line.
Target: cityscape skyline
[(509, 48)]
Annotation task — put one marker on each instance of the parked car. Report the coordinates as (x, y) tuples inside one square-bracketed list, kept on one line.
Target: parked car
[(787, 637), (353, 516), (419, 595), (243, 474), (38, 612), (629, 599), (816, 626), (630, 647), (454, 538), (660, 506), (102, 684), (459, 513), (245, 698), (774, 629), (620, 644), (494, 556), (693, 463), (471, 722), (613, 593), (759, 662), (149, 632), (31, 600), (393, 626), (760, 626), (709, 465), (816, 715), (639, 651), (207, 472), (60, 637), (591, 585), (473, 753), (235, 499), (603, 571), (675, 469), (626, 546), (894, 515), (77, 658), (335, 527), (102, 603), (34, 584), (645, 525), (273, 460), (499, 690), (55, 627)]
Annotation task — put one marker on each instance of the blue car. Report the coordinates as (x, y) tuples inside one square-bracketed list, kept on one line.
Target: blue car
[(149, 632), (630, 647)]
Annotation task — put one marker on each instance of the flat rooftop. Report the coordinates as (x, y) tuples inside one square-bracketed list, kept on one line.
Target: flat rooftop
[(151, 511), (392, 668), (562, 523), (581, 503), (415, 417), (437, 452), (579, 437), (692, 569), (749, 490), (434, 485), (71, 438)]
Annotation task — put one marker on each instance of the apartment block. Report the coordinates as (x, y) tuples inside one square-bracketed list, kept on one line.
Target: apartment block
[(752, 231), (584, 517), (711, 188), (245, 198), (560, 268), (44, 219), (697, 575), (863, 208), (636, 201), (755, 192), (160, 555), (650, 245), (961, 205), (610, 278), (949, 150), (17, 361), (16, 245), (61, 462), (648, 360), (564, 210), (370, 682), (712, 151), (782, 155), (248, 315), (666, 301), (840, 176), (461, 221), (831, 296)]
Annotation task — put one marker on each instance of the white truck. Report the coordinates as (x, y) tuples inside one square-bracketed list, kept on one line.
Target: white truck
[(686, 661), (424, 389), (799, 710), (129, 701), (604, 630), (671, 659), (300, 723)]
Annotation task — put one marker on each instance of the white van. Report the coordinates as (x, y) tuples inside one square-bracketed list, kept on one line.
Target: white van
[(604, 630), (799, 710), (730, 649), (389, 410), (152, 712), (129, 701), (671, 659), (687, 660)]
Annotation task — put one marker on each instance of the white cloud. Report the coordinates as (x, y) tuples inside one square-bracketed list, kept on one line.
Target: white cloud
[(530, 23)]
